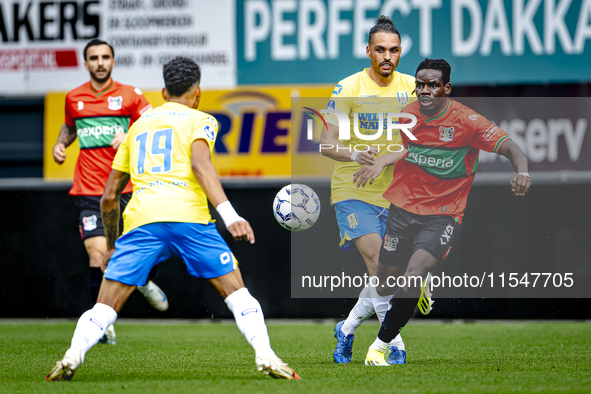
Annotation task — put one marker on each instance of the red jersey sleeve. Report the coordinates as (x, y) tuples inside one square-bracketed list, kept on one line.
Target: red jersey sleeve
[(486, 135), (140, 105), (69, 116)]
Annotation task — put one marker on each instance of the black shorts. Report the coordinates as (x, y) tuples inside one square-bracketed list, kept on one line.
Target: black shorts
[(90, 222), (408, 232)]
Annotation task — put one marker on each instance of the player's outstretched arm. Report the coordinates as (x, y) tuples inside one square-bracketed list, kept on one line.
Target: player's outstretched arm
[(110, 211), (208, 179), (331, 147), (370, 173), (66, 136), (521, 182)]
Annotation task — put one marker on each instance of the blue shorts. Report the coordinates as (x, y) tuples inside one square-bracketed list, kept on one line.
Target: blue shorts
[(200, 246), (357, 218)]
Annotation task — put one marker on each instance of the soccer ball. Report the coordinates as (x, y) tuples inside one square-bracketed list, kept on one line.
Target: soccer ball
[(296, 207)]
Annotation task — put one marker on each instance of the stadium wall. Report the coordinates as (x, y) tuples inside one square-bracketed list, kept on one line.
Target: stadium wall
[(44, 265)]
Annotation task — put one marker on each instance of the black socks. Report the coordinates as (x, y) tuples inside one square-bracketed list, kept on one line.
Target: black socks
[(403, 307)]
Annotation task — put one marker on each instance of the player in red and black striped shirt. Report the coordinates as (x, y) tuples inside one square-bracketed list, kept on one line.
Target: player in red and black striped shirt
[(432, 179), (99, 113)]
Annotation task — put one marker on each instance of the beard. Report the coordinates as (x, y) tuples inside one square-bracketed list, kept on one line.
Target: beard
[(101, 80), (386, 73)]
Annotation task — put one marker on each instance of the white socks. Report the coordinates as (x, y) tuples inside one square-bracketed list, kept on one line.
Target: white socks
[(381, 305), (370, 302), (362, 311), (382, 346), (250, 321), (91, 327), (379, 345)]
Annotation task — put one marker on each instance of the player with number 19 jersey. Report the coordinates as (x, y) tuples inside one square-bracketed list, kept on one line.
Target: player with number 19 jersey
[(163, 182)]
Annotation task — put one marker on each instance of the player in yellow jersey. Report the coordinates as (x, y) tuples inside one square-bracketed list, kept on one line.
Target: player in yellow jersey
[(362, 212), (167, 157)]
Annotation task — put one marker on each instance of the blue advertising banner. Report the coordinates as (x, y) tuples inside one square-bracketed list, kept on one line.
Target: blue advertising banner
[(485, 41)]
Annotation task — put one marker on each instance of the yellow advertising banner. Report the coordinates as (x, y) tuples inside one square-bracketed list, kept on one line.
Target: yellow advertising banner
[(255, 136)]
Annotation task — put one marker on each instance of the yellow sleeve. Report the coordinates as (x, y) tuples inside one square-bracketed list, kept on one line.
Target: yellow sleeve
[(121, 161), (204, 127), (341, 100)]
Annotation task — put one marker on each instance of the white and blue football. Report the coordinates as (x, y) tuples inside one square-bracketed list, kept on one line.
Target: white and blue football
[(296, 207)]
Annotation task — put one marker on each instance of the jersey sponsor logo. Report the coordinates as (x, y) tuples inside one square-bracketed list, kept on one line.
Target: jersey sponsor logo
[(372, 120), (446, 236), (353, 220), (441, 163), (138, 91), (369, 95), (98, 132), (490, 132), (337, 89), (209, 133), (89, 223), (331, 104), (446, 134), (473, 117), (402, 97), (115, 103), (80, 105), (390, 243)]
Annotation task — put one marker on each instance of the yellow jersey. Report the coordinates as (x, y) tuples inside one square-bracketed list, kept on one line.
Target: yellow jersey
[(360, 94), (157, 156)]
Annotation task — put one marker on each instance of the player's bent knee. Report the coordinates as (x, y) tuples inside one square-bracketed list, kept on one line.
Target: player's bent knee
[(227, 284)]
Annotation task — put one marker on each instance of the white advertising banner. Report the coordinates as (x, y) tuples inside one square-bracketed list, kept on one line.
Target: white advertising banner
[(42, 42)]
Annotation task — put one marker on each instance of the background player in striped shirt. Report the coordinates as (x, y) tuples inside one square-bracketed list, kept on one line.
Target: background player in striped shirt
[(99, 113), (429, 191), (361, 213), (167, 156)]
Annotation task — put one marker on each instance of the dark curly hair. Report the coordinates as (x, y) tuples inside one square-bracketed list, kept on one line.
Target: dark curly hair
[(180, 74), (383, 24), (436, 64), (95, 42)]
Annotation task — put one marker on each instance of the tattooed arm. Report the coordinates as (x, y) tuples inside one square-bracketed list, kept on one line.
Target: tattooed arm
[(110, 211), (66, 137)]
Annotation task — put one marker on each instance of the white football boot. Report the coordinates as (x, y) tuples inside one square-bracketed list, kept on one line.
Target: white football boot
[(154, 295), (67, 366)]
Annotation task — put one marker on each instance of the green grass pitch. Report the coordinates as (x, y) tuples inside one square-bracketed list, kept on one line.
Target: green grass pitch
[(215, 358)]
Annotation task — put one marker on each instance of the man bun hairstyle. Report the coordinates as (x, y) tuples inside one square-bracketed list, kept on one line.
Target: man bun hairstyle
[(383, 24), (96, 42), (179, 75), (436, 64)]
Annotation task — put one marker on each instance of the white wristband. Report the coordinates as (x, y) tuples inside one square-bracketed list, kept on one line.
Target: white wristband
[(524, 174), (354, 155), (228, 214)]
